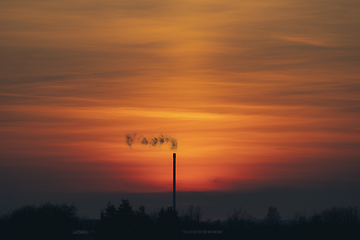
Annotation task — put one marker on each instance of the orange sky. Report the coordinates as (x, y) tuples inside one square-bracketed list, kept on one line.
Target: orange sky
[(257, 93)]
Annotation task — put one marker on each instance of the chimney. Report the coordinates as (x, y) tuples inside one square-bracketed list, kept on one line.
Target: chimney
[(174, 181)]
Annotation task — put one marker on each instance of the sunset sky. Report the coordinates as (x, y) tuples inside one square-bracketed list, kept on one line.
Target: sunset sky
[(259, 94)]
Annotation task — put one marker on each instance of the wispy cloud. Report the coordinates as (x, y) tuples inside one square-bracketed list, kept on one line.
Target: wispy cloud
[(308, 41), (250, 81)]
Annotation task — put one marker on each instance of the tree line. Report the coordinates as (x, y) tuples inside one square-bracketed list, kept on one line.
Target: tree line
[(58, 222)]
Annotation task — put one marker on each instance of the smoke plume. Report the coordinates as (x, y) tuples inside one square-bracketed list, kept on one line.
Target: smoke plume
[(130, 138), (153, 142)]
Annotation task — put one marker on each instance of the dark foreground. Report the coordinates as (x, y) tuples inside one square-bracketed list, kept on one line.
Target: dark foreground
[(60, 222)]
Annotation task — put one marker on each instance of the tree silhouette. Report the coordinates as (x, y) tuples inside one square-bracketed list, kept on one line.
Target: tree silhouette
[(56, 222), (107, 228), (168, 224), (46, 221), (273, 217), (125, 217), (124, 223), (238, 224), (336, 223), (117, 222), (192, 218), (144, 225), (194, 214)]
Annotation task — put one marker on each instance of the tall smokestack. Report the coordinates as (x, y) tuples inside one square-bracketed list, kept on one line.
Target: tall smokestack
[(174, 181)]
